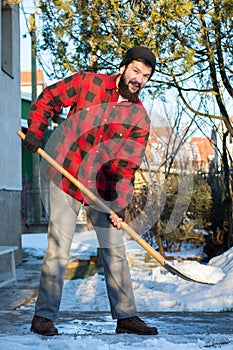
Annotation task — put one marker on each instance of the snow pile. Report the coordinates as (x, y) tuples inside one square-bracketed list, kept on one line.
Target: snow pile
[(199, 272), (156, 289)]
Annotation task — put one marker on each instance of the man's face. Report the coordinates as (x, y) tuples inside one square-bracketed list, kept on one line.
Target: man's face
[(133, 79)]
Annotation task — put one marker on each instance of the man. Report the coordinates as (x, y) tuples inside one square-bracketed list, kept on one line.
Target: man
[(102, 144)]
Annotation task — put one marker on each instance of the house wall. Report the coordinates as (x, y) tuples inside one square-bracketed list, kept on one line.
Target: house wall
[(10, 144)]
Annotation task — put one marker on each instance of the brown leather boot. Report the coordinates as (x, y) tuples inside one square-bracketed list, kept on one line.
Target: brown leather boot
[(43, 326), (135, 325)]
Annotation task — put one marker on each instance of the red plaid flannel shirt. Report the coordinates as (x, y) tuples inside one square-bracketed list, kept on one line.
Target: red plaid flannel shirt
[(101, 142)]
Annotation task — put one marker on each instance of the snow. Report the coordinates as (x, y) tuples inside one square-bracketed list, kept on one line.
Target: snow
[(97, 344), (156, 290)]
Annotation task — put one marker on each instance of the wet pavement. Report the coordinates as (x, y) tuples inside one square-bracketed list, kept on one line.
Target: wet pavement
[(28, 275), (214, 329)]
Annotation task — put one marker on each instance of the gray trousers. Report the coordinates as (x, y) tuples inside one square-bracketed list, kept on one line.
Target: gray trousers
[(63, 217)]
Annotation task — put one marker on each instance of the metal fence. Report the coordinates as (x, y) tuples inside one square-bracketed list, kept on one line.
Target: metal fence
[(35, 206), (35, 210), (32, 213)]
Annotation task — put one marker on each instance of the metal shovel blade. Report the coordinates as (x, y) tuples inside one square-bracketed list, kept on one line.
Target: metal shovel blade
[(174, 271)]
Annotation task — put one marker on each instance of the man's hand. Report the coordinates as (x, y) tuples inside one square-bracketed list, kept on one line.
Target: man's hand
[(31, 143), (116, 220)]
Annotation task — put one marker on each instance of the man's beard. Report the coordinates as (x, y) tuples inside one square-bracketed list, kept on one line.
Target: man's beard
[(124, 90)]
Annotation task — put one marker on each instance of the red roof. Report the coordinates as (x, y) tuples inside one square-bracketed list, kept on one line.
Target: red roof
[(204, 147)]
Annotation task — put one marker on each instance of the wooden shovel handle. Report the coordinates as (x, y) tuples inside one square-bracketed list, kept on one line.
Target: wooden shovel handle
[(133, 234)]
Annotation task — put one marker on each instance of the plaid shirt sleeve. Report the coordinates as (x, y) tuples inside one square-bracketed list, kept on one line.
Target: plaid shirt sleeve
[(115, 179), (78, 91), (136, 151), (61, 94)]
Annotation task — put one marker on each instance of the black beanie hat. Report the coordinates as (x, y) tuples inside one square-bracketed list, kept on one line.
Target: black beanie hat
[(138, 52)]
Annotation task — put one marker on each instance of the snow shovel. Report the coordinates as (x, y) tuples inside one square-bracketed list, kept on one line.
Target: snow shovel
[(151, 251)]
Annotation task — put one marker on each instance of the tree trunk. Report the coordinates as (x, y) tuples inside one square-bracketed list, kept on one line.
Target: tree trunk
[(228, 190), (159, 239)]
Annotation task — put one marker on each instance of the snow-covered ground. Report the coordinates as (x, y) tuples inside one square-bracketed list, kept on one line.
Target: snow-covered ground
[(155, 290)]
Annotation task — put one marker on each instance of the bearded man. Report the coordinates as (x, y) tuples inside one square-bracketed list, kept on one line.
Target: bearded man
[(102, 143)]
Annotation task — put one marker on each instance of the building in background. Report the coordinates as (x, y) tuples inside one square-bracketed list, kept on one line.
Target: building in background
[(202, 153), (33, 214), (26, 102), (165, 146), (34, 198), (26, 81), (10, 144)]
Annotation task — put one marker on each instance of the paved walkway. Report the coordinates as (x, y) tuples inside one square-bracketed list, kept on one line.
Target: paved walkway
[(214, 329), (28, 274)]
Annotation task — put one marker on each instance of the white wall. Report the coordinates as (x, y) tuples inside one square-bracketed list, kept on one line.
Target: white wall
[(10, 144), (10, 112)]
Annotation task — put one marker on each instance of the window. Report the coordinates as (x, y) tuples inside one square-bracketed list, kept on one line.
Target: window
[(6, 33)]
